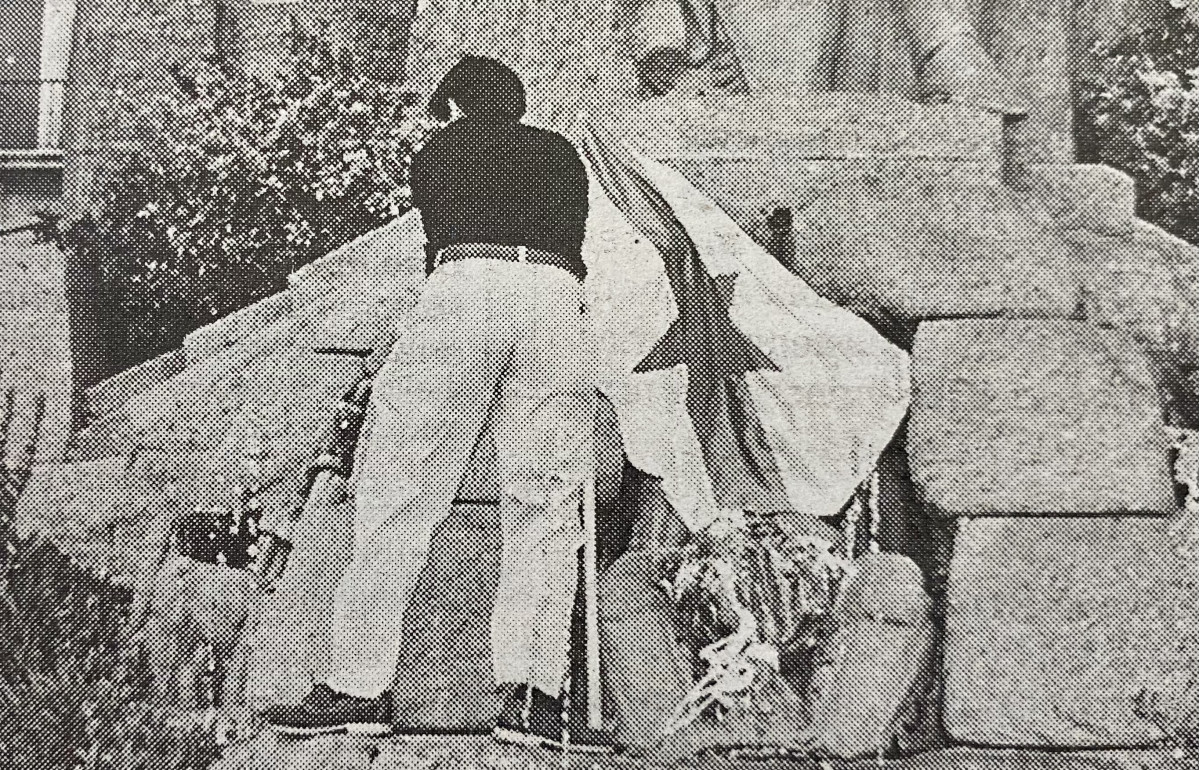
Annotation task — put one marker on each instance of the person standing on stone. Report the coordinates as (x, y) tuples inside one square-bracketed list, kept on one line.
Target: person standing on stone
[(499, 335)]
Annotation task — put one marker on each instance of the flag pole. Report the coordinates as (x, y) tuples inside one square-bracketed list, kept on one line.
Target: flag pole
[(590, 535), (591, 579)]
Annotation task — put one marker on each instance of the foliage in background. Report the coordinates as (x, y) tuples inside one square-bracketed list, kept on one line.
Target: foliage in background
[(237, 181), (75, 693), (1140, 114)]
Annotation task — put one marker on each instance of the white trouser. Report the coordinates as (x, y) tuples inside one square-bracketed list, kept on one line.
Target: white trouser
[(487, 341)]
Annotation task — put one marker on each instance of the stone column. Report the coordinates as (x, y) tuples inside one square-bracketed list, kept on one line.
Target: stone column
[(1033, 43)]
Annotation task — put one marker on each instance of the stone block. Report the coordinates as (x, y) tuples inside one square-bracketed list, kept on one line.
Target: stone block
[(376, 258), (882, 661), (897, 240), (1146, 282), (220, 335), (285, 391), (112, 393), (791, 127), (444, 680), (1090, 197), (899, 244), (73, 505), (1058, 628), (1024, 418)]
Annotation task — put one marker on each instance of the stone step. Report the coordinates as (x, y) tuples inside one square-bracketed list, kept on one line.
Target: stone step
[(813, 126), (1014, 417), (1059, 631), (1083, 196)]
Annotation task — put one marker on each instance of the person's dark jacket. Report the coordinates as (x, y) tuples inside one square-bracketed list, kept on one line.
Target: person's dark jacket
[(487, 179)]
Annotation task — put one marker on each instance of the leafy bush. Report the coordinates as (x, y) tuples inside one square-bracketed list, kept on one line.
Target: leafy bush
[(73, 692), (237, 181), (1140, 114)]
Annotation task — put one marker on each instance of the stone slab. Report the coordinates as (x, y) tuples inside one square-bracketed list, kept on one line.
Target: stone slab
[(904, 244), (66, 501), (114, 392), (1056, 628), (285, 391), (901, 239), (211, 339), (1019, 417), (812, 126), (394, 249)]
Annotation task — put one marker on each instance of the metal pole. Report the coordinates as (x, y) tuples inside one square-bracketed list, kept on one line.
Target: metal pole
[(591, 589)]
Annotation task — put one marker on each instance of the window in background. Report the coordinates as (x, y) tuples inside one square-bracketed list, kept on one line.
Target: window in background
[(34, 50)]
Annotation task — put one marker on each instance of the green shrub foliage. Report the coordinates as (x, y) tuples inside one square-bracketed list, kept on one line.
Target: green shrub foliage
[(234, 183), (1140, 114)]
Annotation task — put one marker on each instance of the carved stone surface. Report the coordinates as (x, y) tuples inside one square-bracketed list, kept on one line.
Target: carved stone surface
[(1028, 418), (1058, 627)]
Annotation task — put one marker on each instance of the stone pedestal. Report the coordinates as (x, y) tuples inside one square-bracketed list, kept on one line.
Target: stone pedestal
[(900, 212)]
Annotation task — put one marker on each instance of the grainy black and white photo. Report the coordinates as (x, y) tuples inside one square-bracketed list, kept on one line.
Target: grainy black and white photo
[(599, 384)]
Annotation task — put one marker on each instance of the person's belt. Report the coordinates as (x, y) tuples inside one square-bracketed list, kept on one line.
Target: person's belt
[(508, 254)]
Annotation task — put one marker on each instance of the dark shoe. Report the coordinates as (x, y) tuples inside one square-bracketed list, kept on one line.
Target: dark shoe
[(324, 711), (531, 718)]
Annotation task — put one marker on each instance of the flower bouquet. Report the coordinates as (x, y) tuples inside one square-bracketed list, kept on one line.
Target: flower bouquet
[(753, 603)]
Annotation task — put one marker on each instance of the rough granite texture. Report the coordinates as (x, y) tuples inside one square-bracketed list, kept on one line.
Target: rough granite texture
[(113, 393), (1028, 418), (1147, 283), (882, 660), (811, 126), (914, 244), (115, 514), (1057, 627), (1080, 196), (899, 210)]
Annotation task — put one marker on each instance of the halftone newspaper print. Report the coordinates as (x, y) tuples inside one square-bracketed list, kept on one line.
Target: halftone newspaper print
[(599, 384)]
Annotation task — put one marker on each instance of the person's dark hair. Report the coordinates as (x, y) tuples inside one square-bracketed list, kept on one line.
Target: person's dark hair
[(481, 87)]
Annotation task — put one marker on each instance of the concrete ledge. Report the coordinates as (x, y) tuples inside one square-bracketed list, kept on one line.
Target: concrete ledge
[(113, 393)]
